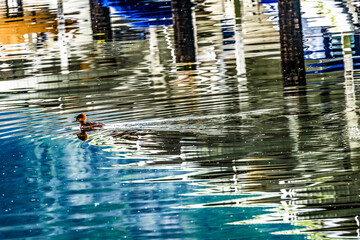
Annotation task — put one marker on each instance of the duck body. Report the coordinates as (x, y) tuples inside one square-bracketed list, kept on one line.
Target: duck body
[(90, 126), (87, 126)]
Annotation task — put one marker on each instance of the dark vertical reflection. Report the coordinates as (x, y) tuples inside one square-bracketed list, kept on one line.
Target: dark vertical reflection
[(292, 54), (100, 21), (183, 31), (14, 9)]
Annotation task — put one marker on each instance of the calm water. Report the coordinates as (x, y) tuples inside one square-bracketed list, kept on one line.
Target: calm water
[(222, 151)]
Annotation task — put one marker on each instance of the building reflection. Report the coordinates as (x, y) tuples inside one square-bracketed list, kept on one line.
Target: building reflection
[(16, 29)]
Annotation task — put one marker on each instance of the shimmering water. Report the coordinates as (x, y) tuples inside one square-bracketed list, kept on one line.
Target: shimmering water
[(202, 138)]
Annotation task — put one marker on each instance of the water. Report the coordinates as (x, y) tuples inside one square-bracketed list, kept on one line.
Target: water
[(222, 149)]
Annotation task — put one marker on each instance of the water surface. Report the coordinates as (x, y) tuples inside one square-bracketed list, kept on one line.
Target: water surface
[(222, 150)]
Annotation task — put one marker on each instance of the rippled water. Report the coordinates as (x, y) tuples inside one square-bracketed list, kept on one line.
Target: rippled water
[(202, 138)]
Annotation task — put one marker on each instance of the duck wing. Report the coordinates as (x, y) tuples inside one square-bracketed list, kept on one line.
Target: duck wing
[(91, 125)]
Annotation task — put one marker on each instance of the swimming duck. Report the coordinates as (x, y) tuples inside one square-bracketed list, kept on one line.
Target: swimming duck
[(87, 126)]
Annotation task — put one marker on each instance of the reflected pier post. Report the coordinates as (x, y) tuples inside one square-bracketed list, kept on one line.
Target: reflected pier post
[(291, 39), (183, 31), (293, 69), (100, 21)]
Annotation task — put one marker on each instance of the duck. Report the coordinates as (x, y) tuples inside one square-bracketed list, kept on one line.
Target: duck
[(87, 126)]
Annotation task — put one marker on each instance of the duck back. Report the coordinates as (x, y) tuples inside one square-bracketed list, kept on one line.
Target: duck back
[(91, 125)]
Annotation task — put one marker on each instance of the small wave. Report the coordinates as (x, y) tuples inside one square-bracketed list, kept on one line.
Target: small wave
[(171, 122)]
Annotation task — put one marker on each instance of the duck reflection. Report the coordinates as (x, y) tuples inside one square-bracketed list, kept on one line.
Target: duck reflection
[(83, 136)]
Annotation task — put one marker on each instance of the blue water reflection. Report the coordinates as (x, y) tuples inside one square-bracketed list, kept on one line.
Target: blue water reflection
[(59, 188), (144, 13)]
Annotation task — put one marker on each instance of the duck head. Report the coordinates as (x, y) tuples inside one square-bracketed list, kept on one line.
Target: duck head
[(81, 118)]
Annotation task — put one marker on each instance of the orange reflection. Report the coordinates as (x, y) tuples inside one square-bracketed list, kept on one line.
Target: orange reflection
[(14, 30)]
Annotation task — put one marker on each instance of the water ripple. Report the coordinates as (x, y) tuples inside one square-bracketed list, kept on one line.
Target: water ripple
[(187, 145)]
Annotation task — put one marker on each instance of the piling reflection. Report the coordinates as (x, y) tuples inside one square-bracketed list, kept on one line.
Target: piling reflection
[(100, 21), (291, 39), (184, 31)]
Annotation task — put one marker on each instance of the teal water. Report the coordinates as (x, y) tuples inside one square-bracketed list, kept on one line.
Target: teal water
[(222, 149), (58, 189)]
